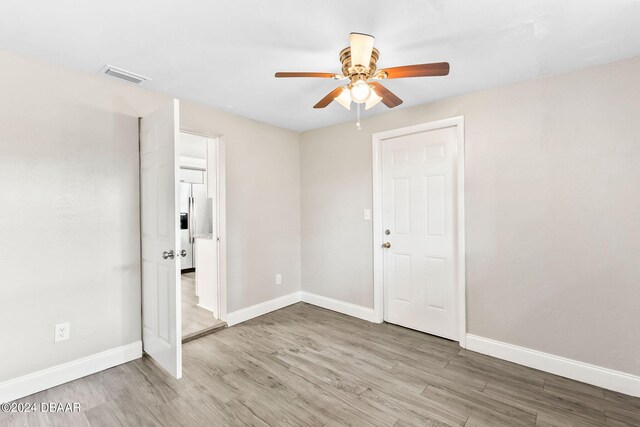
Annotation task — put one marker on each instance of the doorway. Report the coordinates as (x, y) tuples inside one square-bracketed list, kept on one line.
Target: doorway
[(163, 228), (197, 156), (419, 255)]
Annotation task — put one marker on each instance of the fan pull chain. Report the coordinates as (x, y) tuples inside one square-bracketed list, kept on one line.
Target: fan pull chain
[(358, 127)]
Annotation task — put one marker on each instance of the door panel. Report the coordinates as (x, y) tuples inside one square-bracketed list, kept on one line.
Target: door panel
[(161, 332), (419, 194), (436, 286), (435, 188), (401, 205), (402, 274)]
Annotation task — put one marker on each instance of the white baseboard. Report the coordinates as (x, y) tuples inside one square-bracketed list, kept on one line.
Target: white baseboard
[(60, 374), (573, 369), (339, 306), (349, 309), (213, 312), (247, 313)]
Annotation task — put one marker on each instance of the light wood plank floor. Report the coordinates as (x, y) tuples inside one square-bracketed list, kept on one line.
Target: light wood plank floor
[(306, 366), (194, 319)]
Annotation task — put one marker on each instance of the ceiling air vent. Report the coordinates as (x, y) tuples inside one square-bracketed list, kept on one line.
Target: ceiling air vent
[(121, 74)]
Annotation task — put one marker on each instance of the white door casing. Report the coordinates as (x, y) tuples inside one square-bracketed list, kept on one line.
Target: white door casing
[(217, 148), (159, 208), (418, 195)]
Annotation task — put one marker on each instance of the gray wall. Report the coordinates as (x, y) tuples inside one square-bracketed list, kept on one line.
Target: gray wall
[(69, 218), (552, 172), (263, 204), (552, 208)]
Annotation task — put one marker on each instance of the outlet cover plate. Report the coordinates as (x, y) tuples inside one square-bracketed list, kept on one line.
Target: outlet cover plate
[(61, 332)]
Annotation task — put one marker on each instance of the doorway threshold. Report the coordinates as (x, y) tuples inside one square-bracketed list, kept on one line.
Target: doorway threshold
[(210, 330)]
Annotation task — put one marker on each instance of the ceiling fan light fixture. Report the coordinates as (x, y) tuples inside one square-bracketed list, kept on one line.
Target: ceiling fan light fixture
[(373, 100), (344, 98), (360, 92), (359, 66)]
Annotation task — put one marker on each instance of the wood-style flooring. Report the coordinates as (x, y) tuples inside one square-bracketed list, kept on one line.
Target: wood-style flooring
[(306, 366), (195, 320)]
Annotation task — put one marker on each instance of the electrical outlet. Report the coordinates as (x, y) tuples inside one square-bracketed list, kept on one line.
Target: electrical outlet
[(61, 332), (278, 279)]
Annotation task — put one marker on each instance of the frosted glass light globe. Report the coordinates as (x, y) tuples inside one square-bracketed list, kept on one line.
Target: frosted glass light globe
[(360, 92)]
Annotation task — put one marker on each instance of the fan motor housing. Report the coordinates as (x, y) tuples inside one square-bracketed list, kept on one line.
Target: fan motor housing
[(350, 70)]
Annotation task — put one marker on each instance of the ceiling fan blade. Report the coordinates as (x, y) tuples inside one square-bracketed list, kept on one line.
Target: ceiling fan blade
[(305, 74), (361, 48), (388, 98), (329, 98), (419, 70)]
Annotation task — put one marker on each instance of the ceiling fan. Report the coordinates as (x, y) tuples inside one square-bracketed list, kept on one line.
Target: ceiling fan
[(359, 67)]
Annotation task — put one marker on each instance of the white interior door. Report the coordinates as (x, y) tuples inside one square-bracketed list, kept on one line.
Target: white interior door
[(159, 187), (419, 221)]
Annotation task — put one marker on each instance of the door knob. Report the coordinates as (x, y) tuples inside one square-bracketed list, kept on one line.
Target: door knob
[(183, 253), (169, 254), (386, 245)]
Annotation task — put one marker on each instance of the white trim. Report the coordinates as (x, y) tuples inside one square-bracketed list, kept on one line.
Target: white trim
[(259, 309), (462, 249), (165, 358), (222, 227), (339, 306), (204, 307), (378, 253), (573, 369), (378, 237), (41, 380), (256, 310)]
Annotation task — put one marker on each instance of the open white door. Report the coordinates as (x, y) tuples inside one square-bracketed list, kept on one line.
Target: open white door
[(161, 314)]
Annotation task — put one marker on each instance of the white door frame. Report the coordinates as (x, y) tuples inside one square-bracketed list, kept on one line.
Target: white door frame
[(221, 224), (378, 236)]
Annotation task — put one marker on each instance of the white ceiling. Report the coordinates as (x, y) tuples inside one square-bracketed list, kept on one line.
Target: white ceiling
[(224, 53)]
